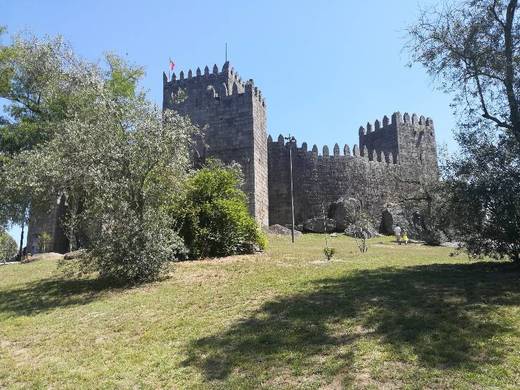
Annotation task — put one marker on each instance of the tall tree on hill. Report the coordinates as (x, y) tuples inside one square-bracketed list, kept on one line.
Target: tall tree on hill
[(472, 49), (41, 81), (97, 142)]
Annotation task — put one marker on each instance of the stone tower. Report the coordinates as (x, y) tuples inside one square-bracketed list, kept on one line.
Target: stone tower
[(232, 116), (410, 140)]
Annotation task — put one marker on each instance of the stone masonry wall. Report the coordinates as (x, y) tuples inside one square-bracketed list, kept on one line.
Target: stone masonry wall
[(261, 162), (393, 157), (47, 220)]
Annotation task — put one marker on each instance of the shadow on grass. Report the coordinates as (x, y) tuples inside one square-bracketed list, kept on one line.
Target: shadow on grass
[(47, 294), (441, 316)]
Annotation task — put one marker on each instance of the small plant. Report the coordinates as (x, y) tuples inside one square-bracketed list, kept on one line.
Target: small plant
[(329, 252), (360, 235), (361, 241)]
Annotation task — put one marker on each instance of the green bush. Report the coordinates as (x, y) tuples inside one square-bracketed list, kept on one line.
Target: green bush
[(212, 215), (329, 252), (8, 246)]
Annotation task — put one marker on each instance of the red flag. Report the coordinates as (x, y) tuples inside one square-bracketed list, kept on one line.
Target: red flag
[(172, 64)]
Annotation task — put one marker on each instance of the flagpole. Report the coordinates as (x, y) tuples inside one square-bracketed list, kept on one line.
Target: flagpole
[(226, 51)]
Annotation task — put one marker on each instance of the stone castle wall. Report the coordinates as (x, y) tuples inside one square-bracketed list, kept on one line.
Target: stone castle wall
[(49, 221), (392, 155), (386, 168)]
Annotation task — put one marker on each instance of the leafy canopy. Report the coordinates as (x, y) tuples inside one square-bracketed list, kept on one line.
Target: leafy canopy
[(105, 150), (472, 48)]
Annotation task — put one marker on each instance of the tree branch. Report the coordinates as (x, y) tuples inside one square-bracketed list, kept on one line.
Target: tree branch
[(494, 12), (509, 69), (483, 105)]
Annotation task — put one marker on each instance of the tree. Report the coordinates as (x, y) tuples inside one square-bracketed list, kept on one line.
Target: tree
[(116, 167), (114, 157), (44, 82), (7, 246), (42, 78), (212, 215), (472, 48)]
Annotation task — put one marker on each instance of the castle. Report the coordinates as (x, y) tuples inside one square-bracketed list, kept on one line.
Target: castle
[(391, 156)]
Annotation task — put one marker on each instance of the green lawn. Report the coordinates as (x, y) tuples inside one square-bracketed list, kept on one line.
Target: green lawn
[(395, 317)]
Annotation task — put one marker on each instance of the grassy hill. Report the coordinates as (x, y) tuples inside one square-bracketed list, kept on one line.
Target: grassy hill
[(397, 316)]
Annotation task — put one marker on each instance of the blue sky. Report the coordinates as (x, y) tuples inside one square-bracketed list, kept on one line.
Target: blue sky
[(325, 68)]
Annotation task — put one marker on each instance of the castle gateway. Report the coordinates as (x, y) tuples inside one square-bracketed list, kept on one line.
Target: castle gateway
[(393, 154)]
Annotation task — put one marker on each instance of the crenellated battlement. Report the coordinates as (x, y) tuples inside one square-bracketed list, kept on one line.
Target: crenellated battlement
[(232, 117), (396, 120), (385, 141), (337, 152), (209, 85)]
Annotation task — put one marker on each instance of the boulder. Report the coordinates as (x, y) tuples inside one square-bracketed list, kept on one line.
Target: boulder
[(410, 220), (345, 211), (283, 231), (358, 231), (392, 215), (74, 254), (319, 225)]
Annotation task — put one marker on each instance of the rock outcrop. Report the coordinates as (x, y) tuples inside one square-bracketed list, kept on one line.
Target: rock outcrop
[(346, 212), (320, 225), (283, 231)]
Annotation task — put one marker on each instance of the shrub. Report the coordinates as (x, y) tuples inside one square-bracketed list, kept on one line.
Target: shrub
[(329, 252), (8, 246), (212, 214), (131, 249)]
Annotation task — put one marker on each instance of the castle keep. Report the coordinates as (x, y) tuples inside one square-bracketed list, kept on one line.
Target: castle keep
[(233, 118), (392, 156)]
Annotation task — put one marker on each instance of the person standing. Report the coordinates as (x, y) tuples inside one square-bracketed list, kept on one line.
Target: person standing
[(397, 232), (405, 237)]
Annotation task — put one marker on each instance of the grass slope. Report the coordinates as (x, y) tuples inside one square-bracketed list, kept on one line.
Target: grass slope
[(407, 317)]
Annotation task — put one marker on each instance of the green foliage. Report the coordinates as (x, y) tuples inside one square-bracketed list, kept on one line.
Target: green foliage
[(45, 85), (484, 198), (119, 172), (8, 246), (115, 157), (122, 78), (329, 252), (472, 48), (212, 214)]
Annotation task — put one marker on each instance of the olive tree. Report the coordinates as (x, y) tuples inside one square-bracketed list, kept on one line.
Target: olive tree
[(42, 82), (472, 49), (114, 158), (116, 168)]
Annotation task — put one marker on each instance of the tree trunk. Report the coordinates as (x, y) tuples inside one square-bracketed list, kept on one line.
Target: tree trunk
[(21, 241)]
